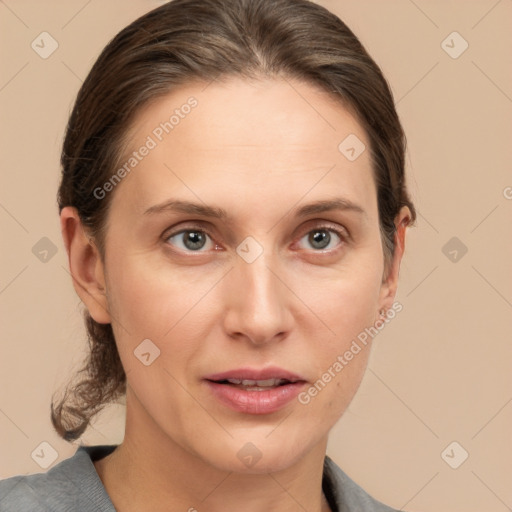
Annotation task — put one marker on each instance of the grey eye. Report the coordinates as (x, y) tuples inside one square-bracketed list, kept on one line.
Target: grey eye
[(189, 240), (321, 238)]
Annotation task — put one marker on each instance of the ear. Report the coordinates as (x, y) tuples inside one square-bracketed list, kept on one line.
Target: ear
[(390, 281), (85, 265)]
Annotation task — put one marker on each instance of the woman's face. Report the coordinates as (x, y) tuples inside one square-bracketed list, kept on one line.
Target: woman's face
[(244, 243)]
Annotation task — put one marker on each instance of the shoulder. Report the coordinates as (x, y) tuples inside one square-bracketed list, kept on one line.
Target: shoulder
[(71, 485), (345, 494)]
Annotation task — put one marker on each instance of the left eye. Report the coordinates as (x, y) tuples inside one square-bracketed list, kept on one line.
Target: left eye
[(191, 240), (321, 238)]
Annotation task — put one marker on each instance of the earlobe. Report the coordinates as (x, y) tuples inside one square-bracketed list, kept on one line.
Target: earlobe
[(85, 265)]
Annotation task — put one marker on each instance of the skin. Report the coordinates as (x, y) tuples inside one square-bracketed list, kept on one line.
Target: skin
[(259, 150)]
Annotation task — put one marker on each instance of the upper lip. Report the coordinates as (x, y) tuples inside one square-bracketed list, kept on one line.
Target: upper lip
[(271, 372)]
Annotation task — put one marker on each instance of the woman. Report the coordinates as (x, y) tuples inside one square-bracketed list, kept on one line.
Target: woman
[(234, 208)]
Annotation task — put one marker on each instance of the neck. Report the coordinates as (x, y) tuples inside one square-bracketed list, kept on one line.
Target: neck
[(151, 471)]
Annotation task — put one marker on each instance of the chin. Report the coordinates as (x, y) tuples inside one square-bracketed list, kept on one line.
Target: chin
[(259, 453)]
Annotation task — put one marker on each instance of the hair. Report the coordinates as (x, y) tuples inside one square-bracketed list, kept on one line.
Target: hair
[(187, 41)]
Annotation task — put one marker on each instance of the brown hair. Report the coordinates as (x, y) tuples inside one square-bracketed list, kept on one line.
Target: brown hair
[(190, 40)]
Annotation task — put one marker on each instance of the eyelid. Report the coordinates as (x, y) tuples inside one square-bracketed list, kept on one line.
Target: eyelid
[(190, 226)]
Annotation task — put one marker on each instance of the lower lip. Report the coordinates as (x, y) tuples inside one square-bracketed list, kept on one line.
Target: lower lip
[(255, 402)]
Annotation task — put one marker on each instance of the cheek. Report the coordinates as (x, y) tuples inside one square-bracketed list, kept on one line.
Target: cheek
[(150, 302), (147, 298), (173, 308), (348, 304), (347, 301)]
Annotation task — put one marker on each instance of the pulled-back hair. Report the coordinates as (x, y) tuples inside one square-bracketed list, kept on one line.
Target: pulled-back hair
[(186, 41)]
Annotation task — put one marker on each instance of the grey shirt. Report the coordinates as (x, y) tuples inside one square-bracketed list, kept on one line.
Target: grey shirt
[(74, 485)]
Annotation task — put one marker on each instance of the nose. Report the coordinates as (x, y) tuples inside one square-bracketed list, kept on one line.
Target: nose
[(258, 307)]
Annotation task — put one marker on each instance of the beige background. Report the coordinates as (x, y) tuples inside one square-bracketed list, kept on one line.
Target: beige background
[(440, 372)]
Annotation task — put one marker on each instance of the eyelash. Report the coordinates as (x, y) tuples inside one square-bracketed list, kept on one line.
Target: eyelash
[(343, 236)]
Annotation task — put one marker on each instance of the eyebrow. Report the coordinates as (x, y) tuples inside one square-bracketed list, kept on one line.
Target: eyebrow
[(325, 205)]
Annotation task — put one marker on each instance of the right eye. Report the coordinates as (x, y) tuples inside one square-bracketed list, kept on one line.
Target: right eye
[(191, 240)]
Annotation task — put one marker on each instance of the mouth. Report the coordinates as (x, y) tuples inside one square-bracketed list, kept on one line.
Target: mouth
[(255, 391), (255, 385)]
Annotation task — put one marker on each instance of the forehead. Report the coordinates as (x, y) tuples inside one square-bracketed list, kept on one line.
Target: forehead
[(276, 136), (279, 113)]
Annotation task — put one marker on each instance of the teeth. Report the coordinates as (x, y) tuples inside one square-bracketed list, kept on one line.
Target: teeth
[(258, 383)]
